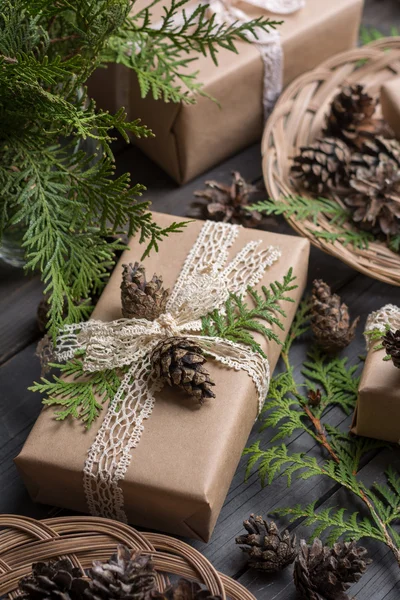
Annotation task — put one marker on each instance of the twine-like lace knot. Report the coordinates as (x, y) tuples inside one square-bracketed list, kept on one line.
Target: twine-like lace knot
[(168, 325)]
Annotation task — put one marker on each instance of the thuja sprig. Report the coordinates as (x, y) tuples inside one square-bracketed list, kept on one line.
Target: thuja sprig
[(239, 319), (289, 409), (309, 209), (78, 393)]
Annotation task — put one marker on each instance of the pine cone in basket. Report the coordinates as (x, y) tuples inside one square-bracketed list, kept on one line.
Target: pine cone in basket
[(268, 550), (128, 575), (179, 362), (185, 590), (57, 579), (375, 198), (375, 151), (391, 343), (351, 117), (330, 319), (227, 203), (322, 166), (142, 299), (322, 573)]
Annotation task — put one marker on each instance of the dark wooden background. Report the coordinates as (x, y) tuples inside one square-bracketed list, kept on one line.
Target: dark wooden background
[(19, 408)]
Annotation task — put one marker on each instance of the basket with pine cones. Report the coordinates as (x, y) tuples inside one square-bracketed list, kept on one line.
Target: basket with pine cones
[(336, 173), (91, 558)]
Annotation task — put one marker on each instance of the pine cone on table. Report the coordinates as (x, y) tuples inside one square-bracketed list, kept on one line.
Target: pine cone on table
[(57, 579), (351, 117), (179, 362), (227, 203), (142, 299), (391, 343), (375, 198), (128, 575), (322, 573), (330, 319), (268, 550), (322, 166), (185, 590)]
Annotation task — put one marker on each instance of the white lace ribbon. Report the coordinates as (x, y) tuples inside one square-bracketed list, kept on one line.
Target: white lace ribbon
[(204, 284), (388, 315)]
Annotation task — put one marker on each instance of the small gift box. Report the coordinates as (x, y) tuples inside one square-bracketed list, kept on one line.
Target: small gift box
[(156, 458), (193, 138), (377, 413), (390, 101)]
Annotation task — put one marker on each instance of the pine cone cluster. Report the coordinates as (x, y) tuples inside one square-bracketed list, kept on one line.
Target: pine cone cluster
[(268, 550), (57, 579), (330, 319), (228, 203), (322, 573), (142, 299), (391, 343), (356, 161), (179, 362)]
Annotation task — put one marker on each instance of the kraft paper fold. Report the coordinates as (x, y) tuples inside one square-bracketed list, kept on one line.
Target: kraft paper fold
[(390, 101), (193, 138), (182, 469), (378, 407)]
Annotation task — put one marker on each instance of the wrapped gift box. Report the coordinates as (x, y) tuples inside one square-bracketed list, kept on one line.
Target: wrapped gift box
[(378, 407), (182, 468), (193, 138), (390, 100)]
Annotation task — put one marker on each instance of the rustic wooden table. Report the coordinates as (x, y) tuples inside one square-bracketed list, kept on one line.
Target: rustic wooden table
[(19, 408)]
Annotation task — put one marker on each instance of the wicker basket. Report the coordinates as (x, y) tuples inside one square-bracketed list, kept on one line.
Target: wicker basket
[(84, 539), (298, 119)]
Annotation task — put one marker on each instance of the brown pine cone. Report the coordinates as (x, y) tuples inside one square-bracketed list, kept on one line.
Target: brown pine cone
[(375, 198), (127, 575), (391, 343), (227, 203), (322, 166), (330, 319), (268, 550), (374, 151), (185, 590), (179, 362), (351, 117), (57, 579), (322, 573), (142, 299)]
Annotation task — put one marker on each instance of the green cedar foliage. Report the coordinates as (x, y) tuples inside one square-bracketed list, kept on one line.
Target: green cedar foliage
[(289, 410), (65, 196)]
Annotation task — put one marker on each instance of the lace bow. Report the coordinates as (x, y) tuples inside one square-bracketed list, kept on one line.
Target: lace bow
[(204, 284), (388, 315)]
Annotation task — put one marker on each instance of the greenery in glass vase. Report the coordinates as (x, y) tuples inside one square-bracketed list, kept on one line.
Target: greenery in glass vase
[(73, 209)]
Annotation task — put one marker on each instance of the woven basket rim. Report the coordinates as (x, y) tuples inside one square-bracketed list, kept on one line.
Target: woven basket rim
[(298, 118), (24, 540)]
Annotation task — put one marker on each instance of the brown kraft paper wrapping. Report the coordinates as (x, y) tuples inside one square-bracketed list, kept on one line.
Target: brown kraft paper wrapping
[(181, 470), (377, 413), (193, 138), (390, 100)]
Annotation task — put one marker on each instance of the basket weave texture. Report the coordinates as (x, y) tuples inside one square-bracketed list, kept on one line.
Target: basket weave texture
[(298, 119), (24, 541)]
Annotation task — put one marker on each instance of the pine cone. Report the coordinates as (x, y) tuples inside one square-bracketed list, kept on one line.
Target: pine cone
[(322, 166), (268, 550), (185, 590), (179, 362), (330, 319), (52, 580), (375, 151), (351, 116), (128, 575), (391, 343), (375, 198), (227, 203), (322, 573), (142, 299)]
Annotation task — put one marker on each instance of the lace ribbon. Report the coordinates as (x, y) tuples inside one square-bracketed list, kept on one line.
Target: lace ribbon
[(388, 315), (204, 284)]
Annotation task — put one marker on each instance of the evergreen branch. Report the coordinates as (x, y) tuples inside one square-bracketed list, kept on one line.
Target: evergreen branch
[(77, 393), (238, 319)]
